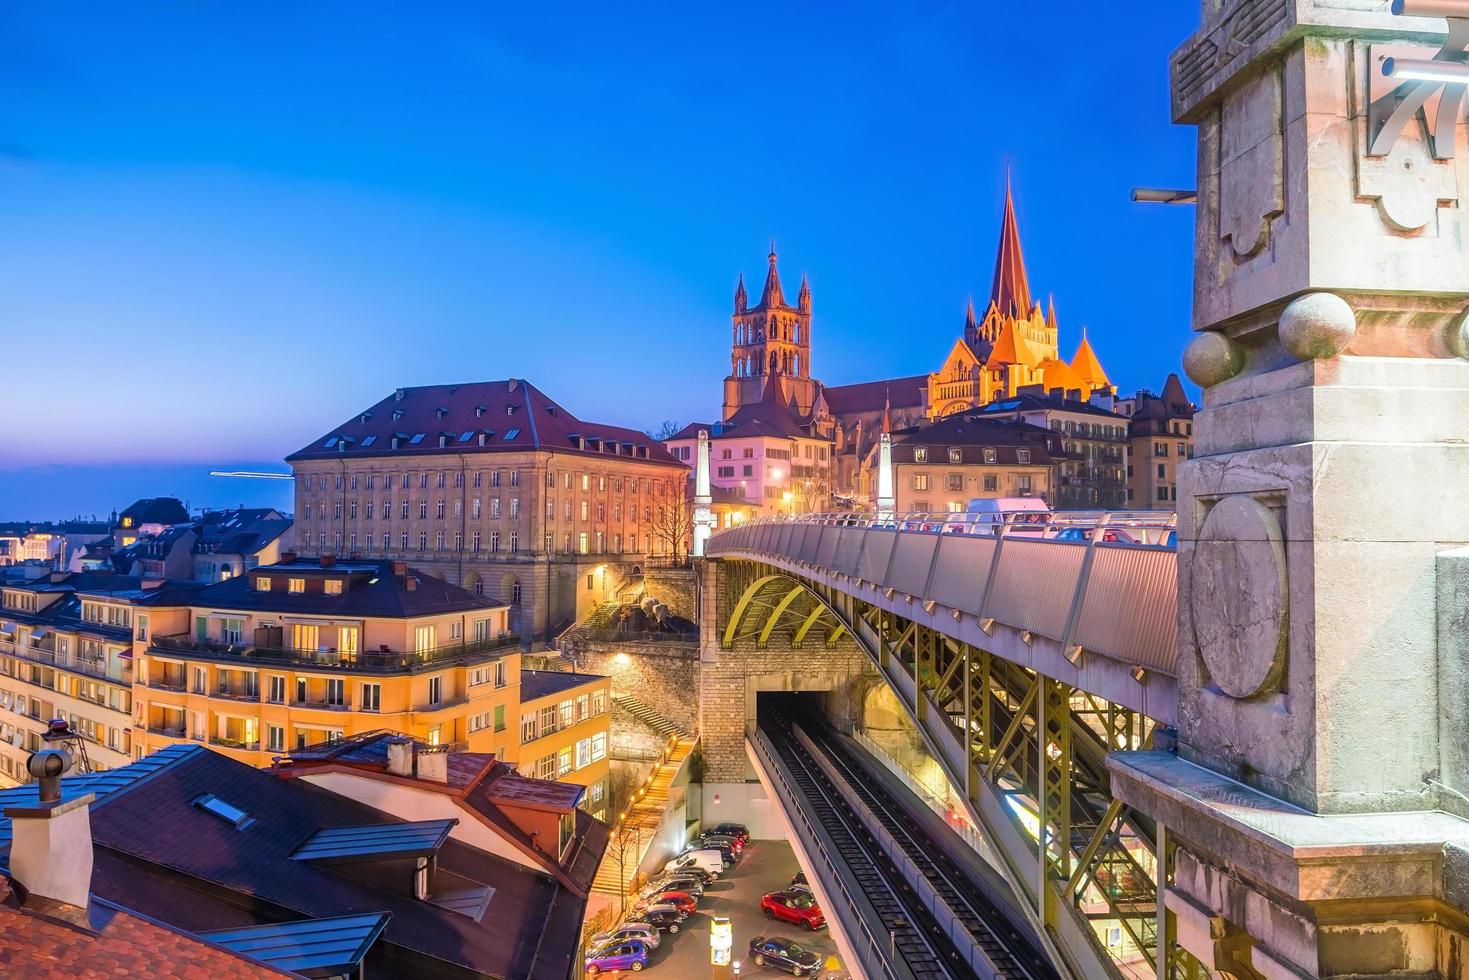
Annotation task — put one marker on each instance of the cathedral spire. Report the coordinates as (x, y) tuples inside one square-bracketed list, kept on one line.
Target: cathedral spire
[(740, 298), (969, 325), (772, 295), (803, 301), (1010, 291), (1051, 311)]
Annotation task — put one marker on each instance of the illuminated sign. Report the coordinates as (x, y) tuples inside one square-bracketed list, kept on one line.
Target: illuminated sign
[(721, 940)]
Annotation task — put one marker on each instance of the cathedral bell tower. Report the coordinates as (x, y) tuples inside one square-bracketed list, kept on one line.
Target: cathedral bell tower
[(771, 337)]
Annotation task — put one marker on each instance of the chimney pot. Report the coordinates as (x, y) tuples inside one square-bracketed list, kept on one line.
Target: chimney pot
[(287, 557), (400, 568), (400, 755), (434, 766), (51, 850), (410, 583), (327, 561)]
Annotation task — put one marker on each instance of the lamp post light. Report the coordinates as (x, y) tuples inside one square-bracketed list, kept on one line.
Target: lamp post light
[(789, 499)]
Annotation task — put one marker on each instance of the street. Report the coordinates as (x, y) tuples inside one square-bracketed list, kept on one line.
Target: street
[(767, 866)]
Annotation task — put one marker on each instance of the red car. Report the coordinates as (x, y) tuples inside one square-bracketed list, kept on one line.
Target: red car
[(682, 901), (792, 906)]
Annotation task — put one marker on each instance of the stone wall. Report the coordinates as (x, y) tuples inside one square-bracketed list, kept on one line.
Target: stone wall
[(664, 676), (675, 587)]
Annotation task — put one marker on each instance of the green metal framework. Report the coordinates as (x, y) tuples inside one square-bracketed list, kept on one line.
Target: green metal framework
[(1034, 744)]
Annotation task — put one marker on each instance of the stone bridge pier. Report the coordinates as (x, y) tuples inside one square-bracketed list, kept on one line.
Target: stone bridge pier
[(763, 655), (1312, 819)]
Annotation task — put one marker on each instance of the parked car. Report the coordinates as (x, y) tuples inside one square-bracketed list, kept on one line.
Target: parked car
[(1110, 535), (796, 906), (710, 862), (678, 883), (663, 917), (799, 878), (682, 901), (643, 932), (727, 844), (669, 879), (1017, 515), (784, 954), (630, 955), (737, 830), (722, 846)]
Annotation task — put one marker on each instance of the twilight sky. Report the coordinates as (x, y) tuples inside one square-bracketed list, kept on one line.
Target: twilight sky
[(224, 228)]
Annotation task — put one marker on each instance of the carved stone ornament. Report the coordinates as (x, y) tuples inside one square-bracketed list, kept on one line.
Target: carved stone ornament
[(1317, 325), (1211, 358), (1239, 597)]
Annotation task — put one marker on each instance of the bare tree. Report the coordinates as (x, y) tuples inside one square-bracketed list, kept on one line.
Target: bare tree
[(672, 524), (812, 490), (664, 432)]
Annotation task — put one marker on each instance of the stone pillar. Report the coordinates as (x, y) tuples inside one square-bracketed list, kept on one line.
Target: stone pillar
[(1332, 457), (886, 498), (703, 497)]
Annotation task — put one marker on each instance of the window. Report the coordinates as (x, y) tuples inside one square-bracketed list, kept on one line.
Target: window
[(1162, 493), (563, 761), (499, 717), (425, 638), (956, 481), (1024, 485), (599, 702), (1160, 449), (1162, 471), (333, 586), (275, 689), (275, 738), (372, 698), (435, 690), (262, 583), (956, 455), (599, 746), (474, 541), (456, 630), (583, 753), (336, 691), (422, 510), (919, 481), (225, 811), (990, 456), (500, 669), (306, 636), (528, 727), (296, 585), (992, 483), (1022, 456), (920, 454)]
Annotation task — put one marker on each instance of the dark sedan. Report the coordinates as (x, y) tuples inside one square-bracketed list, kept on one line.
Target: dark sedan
[(784, 954), (663, 917)]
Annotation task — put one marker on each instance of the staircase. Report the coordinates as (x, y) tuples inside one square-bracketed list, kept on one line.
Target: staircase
[(633, 835), (647, 716)]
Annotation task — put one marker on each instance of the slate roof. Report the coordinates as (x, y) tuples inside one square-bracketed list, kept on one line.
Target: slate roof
[(971, 435), (155, 510), (239, 532), (513, 414), (186, 866), (371, 589), (1052, 402), (870, 396), (543, 683)]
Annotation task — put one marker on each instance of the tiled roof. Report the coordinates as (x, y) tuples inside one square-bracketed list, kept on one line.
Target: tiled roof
[(1052, 402), (512, 415), (125, 944), (870, 396), (769, 416), (156, 510), (971, 435)]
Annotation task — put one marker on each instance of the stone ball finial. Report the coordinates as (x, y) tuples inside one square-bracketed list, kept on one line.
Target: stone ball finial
[(1211, 358), (1459, 336), (1317, 325)]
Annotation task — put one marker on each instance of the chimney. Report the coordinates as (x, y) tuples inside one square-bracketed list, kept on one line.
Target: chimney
[(410, 583), (398, 394), (327, 561), (287, 557), (400, 756), (151, 583), (400, 568), (51, 849), (434, 766)]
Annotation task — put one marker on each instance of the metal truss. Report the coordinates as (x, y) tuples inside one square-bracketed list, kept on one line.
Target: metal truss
[(1034, 754)]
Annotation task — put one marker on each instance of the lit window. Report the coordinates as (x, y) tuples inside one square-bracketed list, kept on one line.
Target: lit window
[(333, 586), (262, 583), (296, 585)]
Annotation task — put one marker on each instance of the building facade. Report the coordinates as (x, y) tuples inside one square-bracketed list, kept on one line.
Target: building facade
[(564, 732), (1160, 437), (942, 466), (66, 652), (771, 338), (1093, 439), (494, 487)]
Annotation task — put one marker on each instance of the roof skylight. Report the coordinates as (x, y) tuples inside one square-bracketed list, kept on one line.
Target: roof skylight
[(227, 812), (417, 438), (511, 433)]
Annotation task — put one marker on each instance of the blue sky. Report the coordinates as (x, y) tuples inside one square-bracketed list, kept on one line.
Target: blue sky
[(227, 227)]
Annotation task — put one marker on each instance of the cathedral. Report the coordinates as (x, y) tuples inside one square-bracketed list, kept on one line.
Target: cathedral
[(1013, 349)]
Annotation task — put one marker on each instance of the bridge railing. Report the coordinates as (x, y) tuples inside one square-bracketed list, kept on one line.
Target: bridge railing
[(1104, 582)]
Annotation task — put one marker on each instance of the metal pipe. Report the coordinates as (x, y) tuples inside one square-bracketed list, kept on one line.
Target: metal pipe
[(1430, 8), (1425, 70)]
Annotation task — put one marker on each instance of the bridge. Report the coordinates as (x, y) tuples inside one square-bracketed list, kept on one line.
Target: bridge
[(1022, 654)]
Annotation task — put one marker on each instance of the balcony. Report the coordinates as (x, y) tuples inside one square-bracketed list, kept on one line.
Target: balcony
[(321, 705), (231, 743), (166, 731), (177, 687), (368, 662), (236, 694), (121, 672)]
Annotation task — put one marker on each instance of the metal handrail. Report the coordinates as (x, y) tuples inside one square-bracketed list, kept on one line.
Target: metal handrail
[(1031, 524), (368, 661)]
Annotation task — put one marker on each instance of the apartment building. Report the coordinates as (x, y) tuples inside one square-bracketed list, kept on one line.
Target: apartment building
[(66, 652), (944, 465), (1093, 437), (1160, 436), (303, 652), (494, 487), (563, 731)]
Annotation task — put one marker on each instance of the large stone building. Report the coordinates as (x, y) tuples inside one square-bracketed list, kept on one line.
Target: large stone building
[(1093, 438), (1160, 437), (771, 338), (495, 487)]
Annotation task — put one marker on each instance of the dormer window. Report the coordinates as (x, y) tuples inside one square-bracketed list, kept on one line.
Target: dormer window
[(920, 454), (296, 586), (479, 411), (1022, 455), (397, 414), (439, 413), (990, 455), (364, 417), (333, 586), (443, 440), (509, 409), (262, 583), (956, 455)]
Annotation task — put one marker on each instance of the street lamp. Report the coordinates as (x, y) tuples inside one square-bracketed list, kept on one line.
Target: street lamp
[(789, 499)]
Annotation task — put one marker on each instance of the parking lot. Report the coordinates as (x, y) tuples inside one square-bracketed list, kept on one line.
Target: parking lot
[(767, 866)]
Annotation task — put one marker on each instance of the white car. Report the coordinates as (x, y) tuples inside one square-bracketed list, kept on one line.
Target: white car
[(641, 931), (708, 861)]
